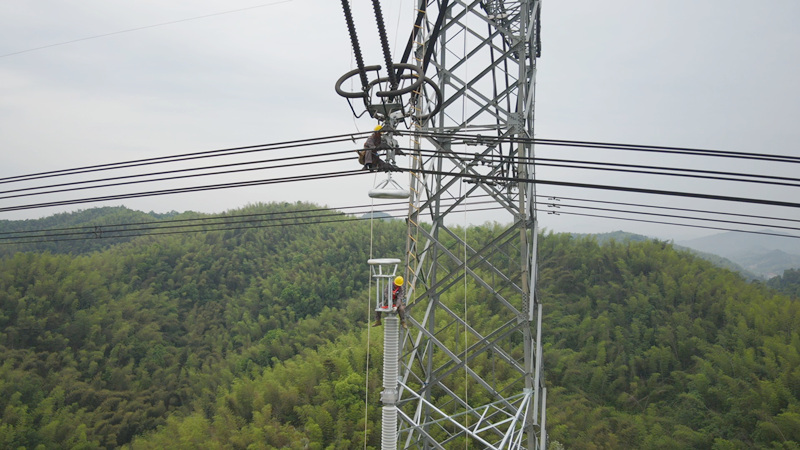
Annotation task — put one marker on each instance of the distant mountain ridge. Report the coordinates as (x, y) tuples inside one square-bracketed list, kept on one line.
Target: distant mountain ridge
[(756, 257), (765, 255), (714, 258)]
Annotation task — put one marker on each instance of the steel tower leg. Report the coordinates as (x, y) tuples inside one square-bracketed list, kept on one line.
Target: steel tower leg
[(465, 380)]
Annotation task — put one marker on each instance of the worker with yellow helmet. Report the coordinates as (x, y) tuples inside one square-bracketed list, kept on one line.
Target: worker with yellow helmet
[(369, 155), (397, 293)]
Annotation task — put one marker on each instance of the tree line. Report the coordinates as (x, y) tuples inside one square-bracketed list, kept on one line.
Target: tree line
[(258, 338)]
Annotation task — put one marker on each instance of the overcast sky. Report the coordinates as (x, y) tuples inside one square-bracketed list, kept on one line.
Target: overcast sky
[(709, 74)]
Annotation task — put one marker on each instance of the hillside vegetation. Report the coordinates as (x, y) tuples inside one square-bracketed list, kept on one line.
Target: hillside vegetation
[(258, 338), (788, 283), (76, 232)]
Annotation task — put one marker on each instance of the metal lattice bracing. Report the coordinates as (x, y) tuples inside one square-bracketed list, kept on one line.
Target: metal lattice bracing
[(470, 367)]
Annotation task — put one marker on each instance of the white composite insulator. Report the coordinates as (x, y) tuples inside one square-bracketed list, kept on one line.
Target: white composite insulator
[(391, 351), (391, 356), (389, 427)]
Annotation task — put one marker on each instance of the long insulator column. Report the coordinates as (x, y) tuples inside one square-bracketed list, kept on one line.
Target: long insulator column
[(387, 54), (351, 27), (391, 357)]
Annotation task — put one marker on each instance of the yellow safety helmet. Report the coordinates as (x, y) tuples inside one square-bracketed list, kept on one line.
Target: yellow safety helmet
[(379, 128), (398, 281)]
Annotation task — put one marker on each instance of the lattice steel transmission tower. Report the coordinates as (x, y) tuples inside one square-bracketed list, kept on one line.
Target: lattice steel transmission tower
[(482, 56), (470, 366)]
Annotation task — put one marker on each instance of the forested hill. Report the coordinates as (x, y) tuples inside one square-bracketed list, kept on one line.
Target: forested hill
[(99, 347), (258, 337), (76, 232), (788, 283)]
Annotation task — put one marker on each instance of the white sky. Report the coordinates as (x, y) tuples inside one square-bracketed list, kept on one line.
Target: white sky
[(708, 74)]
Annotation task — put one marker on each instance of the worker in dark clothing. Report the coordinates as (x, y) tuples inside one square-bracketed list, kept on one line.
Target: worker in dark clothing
[(369, 156), (395, 293)]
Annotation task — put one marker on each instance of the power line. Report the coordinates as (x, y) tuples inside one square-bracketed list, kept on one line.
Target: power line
[(187, 220), (657, 222), (494, 178), (185, 190), (734, 222), (214, 221), (260, 217), (671, 208), (202, 224), (674, 150), (156, 232), (319, 176), (129, 30), (473, 139), (294, 164), (353, 136), (158, 225), (183, 157), (269, 220), (634, 168), (157, 229), (292, 158)]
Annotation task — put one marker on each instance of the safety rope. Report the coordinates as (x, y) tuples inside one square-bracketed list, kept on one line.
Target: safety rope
[(369, 327)]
